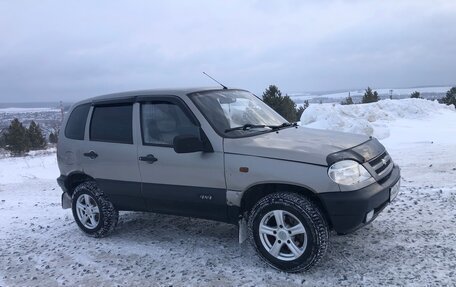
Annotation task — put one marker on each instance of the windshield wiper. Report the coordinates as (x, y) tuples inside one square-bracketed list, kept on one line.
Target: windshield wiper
[(282, 126), (244, 127), (251, 126)]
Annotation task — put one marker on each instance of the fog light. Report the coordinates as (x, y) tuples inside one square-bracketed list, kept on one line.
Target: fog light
[(369, 215)]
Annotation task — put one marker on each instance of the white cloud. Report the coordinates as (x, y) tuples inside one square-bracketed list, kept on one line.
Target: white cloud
[(67, 50)]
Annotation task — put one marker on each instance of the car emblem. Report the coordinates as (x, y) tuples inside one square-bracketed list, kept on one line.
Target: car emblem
[(384, 161)]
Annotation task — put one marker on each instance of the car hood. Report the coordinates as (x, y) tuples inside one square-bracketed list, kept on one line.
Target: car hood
[(296, 144)]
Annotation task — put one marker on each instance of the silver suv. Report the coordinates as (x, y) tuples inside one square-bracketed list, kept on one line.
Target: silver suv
[(221, 154)]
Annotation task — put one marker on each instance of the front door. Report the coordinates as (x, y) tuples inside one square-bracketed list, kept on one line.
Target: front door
[(191, 184)]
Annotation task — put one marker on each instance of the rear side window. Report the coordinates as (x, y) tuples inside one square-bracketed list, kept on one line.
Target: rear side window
[(112, 124), (77, 122)]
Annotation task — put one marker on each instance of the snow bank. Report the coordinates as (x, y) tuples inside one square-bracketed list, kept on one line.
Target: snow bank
[(37, 165), (372, 119)]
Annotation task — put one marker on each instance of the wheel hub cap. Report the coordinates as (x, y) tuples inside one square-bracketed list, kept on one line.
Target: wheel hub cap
[(87, 211), (283, 235)]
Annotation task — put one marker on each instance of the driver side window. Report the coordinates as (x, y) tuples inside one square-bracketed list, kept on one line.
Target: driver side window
[(161, 122)]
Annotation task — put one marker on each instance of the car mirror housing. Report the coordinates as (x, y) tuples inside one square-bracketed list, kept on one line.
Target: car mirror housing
[(187, 144)]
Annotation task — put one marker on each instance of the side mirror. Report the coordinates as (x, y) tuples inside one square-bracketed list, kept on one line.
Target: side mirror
[(187, 144)]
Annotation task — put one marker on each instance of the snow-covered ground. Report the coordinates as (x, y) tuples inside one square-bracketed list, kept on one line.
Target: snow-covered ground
[(411, 243)]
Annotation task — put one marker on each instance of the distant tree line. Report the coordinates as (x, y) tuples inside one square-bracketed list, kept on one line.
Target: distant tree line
[(18, 139), (371, 96)]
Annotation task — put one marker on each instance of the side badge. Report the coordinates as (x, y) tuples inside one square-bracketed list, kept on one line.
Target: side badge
[(205, 197)]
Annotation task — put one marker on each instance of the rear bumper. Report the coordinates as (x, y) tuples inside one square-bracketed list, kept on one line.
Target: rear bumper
[(347, 210)]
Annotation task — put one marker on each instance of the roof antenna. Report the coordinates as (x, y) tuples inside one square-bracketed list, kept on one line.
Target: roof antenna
[(223, 86)]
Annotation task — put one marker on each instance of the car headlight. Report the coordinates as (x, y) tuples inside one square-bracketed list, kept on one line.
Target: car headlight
[(348, 172)]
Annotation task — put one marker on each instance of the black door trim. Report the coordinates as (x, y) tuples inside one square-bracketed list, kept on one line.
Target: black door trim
[(193, 201)]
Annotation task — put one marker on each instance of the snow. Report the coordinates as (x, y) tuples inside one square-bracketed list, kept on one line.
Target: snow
[(376, 119), (33, 166), (412, 242)]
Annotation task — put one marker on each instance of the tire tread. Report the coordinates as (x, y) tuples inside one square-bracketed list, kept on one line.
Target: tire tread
[(110, 213), (306, 206)]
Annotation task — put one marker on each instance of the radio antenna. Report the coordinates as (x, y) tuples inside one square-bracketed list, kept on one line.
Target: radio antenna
[(223, 86)]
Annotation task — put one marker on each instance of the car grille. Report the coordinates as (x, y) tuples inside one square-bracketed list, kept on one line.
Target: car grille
[(382, 165)]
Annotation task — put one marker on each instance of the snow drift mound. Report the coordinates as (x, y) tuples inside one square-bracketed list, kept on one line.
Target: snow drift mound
[(369, 119)]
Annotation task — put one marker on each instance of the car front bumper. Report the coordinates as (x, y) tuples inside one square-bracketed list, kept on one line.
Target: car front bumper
[(348, 210)]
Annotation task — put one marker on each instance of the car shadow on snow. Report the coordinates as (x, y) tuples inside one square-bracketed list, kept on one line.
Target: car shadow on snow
[(191, 237), (146, 225)]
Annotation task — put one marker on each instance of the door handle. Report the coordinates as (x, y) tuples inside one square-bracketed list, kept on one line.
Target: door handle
[(91, 154), (150, 158)]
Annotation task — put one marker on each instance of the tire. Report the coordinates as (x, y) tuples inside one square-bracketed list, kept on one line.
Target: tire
[(299, 246), (92, 210)]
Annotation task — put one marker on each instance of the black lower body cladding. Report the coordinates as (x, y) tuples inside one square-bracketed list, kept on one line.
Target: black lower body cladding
[(347, 209)]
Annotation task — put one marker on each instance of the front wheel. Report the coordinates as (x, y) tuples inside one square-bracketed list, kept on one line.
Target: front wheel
[(288, 231)]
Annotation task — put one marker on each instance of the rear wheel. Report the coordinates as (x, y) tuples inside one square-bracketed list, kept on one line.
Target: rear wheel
[(288, 231), (92, 210)]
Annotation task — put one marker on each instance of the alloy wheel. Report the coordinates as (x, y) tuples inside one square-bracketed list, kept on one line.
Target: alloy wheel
[(88, 211), (283, 235)]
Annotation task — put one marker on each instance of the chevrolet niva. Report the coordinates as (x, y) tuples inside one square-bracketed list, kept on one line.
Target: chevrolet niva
[(221, 154)]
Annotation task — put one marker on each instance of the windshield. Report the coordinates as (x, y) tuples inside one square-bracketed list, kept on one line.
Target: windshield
[(227, 110)]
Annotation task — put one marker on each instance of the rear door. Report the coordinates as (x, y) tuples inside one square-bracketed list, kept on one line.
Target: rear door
[(191, 184), (110, 154)]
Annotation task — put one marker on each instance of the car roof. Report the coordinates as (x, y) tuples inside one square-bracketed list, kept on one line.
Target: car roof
[(151, 92)]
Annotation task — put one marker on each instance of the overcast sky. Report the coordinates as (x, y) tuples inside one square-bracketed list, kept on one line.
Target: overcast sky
[(69, 50)]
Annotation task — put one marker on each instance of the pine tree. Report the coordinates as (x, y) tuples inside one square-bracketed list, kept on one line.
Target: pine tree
[(36, 138), (53, 138), (370, 96), (301, 109), (306, 104), (2, 140), (283, 105), (16, 139), (450, 97), (348, 100), (416, 95)]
